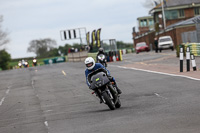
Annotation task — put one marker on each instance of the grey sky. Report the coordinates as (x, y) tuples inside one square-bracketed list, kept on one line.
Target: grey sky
[(37, 19)]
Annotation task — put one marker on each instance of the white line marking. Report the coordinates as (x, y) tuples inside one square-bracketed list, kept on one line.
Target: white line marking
[(174, 75), (48, 111), (2, 100), (159, 95), (46, 124), (8, 90), (64, 72)]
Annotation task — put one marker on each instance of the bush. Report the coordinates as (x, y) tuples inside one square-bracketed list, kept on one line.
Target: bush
[(5, 58)]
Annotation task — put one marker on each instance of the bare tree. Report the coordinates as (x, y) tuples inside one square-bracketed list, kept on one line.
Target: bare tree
[(151, 3), (3, 34), (42, 46)]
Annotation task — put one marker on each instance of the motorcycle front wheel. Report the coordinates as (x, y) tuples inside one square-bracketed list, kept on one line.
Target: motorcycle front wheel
[(109, 101)]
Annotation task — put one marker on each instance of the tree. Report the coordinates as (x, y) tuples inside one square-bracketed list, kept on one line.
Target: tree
[(3, 34), (5, 58), (151, 3), (53, 52), (121, 45), (41, 47)]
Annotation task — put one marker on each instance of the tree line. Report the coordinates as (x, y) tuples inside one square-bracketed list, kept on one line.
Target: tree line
[(5, 57), (47, 47)]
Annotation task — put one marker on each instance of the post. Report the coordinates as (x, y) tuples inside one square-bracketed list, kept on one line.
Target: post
[(181, 59), (163, 15), (193, 62), (188, 59)]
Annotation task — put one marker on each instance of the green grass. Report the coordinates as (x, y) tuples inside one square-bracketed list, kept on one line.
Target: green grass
[(93, 55)]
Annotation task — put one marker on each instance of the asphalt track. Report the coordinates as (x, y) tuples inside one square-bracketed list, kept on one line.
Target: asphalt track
[(55, 99)]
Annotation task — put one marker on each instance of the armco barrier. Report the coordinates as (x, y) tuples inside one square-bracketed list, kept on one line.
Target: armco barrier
[(194, 48), (54, 60)]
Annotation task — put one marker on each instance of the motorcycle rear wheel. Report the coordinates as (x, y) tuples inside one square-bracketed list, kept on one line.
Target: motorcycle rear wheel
[(109, 101)]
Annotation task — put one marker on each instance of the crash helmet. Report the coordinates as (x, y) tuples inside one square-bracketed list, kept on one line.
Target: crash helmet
[(100, 50), (90, 63)]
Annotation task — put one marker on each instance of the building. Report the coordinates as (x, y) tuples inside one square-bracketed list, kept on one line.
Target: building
[(176, 11), (145, 24)]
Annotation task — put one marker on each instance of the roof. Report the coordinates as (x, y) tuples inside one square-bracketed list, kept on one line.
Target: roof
[(145, 17), (186, 22), (176, 3), (180, 2)]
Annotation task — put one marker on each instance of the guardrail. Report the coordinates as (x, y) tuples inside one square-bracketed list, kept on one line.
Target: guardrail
[(194, 48)]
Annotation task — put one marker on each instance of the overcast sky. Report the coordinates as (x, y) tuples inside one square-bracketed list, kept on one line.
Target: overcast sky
[(27, 20)]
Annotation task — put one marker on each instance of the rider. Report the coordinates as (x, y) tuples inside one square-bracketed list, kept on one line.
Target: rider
[(101, 51), (92, 66)]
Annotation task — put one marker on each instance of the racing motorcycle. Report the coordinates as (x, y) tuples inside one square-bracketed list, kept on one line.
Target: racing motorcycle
[(26, 64), (34, 62), (104, 89), (102, 59), (20, 65)]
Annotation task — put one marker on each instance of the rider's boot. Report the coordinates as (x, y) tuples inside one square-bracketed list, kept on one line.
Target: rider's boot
[(115, 84), (118, 90)]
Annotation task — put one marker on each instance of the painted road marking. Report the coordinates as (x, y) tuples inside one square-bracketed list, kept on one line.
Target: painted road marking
[(3, 99), (168, 74), (47, 125), (8, 90), (47, 111), (159, 95), (64, 72)]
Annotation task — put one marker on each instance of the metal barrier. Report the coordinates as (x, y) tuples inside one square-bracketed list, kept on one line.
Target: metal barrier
[(194, 48)]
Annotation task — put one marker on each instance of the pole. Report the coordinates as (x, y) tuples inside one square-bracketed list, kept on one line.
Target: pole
[(193, 62), (163, 14), (188, 58), (181, 59)]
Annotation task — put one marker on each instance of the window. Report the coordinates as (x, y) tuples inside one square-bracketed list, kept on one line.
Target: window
[(197, 11), (143, 23), (181, 13), (172, 14), (151, 22)]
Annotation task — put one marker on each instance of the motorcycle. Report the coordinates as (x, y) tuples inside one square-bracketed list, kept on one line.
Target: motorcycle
[(104, 89), (102, 59), (26, 64), (20, 65), (34, 62)]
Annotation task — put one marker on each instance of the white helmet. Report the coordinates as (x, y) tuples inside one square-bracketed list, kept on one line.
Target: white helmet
[(90, 63)]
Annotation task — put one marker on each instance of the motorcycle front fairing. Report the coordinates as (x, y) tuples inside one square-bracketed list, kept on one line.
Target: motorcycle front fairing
[(99, 80)]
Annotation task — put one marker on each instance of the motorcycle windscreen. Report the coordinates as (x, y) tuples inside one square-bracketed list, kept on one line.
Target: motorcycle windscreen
[(99, 80)]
